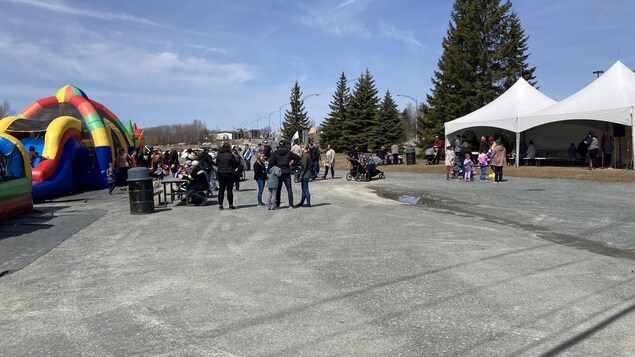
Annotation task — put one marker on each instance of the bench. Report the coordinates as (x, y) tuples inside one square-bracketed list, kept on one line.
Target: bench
[(158, 192), (536, 160)]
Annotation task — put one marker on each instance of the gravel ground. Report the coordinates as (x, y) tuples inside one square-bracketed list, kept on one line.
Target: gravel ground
[(412, 265)]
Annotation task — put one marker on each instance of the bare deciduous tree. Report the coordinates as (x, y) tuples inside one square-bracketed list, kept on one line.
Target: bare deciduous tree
[(5, 109)]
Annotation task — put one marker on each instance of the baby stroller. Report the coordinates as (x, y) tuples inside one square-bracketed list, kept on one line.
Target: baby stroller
[(430, 156), (369, 167), (353, 172)]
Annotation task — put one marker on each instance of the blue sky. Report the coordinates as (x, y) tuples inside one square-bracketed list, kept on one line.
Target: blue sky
[(229, 63)]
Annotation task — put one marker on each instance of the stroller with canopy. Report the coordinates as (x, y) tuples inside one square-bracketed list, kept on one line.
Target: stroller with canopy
[(363, 169)]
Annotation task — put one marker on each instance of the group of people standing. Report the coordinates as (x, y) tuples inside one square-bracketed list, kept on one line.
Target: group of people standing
[(591, 146), (491, 153)]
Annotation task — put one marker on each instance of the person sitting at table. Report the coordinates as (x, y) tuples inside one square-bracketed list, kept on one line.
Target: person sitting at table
[(197, 182), (180, 172)]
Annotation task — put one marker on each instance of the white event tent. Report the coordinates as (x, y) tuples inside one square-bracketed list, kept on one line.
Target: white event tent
[(610, 98), (504, 112)]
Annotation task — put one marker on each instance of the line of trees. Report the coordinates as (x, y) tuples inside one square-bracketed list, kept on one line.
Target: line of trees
[(193, 133), (361, 118)]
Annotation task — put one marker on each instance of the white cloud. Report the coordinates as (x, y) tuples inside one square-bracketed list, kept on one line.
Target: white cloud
[(207, 49), (337, 21), (344, 4), (73, 10), (120, 63), (64, 8), (407, 37)]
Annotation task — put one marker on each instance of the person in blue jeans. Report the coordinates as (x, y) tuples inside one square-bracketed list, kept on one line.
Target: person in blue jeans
[(283, 158), (483, 160), (260, 175), (305, 175)]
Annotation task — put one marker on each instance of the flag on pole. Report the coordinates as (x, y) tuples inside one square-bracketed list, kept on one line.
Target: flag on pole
[(247, 154), (295, 136)]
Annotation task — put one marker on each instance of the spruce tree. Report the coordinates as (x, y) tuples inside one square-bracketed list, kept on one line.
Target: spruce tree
[(362, 111), (484, 53), (513, 55), (389, 127), (295, 118), (331, 131)]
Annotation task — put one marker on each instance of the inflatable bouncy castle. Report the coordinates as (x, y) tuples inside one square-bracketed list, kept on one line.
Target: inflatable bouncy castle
[(15, 177), (76, 138)]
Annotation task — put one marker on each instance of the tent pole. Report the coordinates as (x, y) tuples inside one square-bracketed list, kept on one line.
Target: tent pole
[(517, 158), (632, 140)]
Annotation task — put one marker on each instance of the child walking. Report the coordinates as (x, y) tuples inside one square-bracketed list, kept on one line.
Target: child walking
[(483, 160), (272, 186), (449, 161), (467, 168)]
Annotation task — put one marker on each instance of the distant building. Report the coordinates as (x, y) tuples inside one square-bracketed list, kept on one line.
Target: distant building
[(224, 136)]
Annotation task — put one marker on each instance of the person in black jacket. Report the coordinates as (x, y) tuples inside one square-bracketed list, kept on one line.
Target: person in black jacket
[(260, 175), (283, 158), (266, 150), (206, 162), (226, 167), (197, 182), (173, 161), (315, 161)]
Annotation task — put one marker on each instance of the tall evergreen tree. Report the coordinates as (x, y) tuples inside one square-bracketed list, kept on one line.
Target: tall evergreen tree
[(331, 131), (389, 127), (513, 55), (295, 118), (484, 53), (362, 108)]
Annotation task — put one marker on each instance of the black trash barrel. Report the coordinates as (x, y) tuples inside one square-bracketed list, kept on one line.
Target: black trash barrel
[(410, 156), (141, 191)]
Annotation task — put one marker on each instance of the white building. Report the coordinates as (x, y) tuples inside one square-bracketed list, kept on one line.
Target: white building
[(224, 136)]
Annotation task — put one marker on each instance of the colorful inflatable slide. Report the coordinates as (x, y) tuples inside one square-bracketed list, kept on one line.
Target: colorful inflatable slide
[(15, 177), (76, 137)]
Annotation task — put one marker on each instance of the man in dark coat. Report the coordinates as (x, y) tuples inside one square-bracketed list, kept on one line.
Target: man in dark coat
[(266, 150), (283, 158), (173, 161)]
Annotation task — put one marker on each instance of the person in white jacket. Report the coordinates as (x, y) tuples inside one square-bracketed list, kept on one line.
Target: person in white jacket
[(449, 161), (329, 162)]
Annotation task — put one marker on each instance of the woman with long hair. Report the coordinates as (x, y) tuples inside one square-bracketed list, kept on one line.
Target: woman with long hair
[(260, 175), (499, 158)]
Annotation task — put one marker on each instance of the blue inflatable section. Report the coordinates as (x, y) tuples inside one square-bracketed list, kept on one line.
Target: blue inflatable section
[(37, 143), (13, 158), (72, 168)]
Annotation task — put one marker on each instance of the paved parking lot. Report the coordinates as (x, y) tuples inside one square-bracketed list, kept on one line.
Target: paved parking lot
[(412, 265)]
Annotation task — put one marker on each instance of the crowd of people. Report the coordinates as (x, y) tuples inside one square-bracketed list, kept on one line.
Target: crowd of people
[(460, 163), (222, 169)]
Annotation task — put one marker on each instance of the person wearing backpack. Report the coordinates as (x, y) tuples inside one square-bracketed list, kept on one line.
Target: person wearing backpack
[(282, 158)]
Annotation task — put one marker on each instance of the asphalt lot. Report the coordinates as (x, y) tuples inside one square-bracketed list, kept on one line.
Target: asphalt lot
[(412, 265)]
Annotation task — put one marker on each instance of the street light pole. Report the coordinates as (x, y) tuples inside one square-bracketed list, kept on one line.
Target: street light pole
[(280, 114), (269, 118), (416, 114), (598, 73), (306, 97)]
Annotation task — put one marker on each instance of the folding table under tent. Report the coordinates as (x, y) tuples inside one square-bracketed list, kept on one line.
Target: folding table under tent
[(503, 112)]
